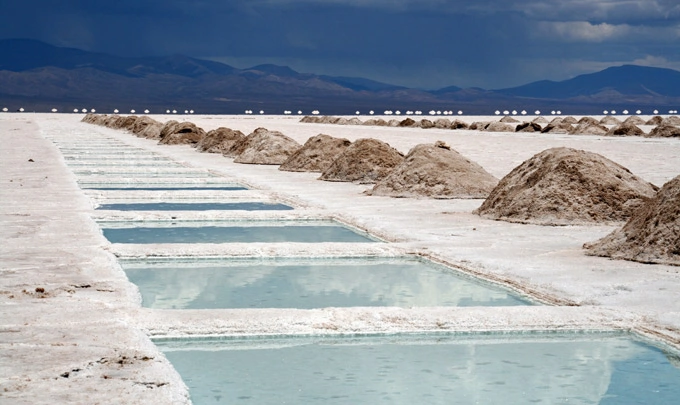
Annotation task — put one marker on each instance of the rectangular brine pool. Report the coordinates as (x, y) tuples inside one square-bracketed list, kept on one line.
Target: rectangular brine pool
[(196, 206), (266, 231), (203, 283), (167, 186), (594, 368)]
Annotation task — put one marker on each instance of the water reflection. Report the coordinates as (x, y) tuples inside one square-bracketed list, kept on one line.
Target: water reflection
[(311, 285), (233, 234), (197, 206), (428, 371)]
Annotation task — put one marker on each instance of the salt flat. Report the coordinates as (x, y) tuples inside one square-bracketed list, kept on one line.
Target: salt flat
[(67, 305)]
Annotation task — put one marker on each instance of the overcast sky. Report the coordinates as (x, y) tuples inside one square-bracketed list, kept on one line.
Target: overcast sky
[(416, 43)]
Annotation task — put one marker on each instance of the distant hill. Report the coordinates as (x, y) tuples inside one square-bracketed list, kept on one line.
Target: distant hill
[(626, 80), (40, 76)]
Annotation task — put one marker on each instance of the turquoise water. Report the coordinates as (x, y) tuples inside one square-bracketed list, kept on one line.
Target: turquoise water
[(286, 283), (426, 370), (162, 188), (205, 206), (290, 231)]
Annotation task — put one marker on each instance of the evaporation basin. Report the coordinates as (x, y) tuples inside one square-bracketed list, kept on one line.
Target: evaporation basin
[(421, 369)]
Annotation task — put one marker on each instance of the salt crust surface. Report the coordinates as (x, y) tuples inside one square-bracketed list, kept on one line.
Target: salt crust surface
[(67, 305)]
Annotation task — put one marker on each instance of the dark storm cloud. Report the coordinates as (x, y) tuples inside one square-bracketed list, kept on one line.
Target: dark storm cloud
[(425, 43)]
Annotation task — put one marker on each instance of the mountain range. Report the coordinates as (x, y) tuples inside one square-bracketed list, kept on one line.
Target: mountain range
[(38, 77)]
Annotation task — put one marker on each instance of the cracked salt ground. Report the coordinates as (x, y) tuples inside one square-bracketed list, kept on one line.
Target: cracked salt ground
[(50, 241)]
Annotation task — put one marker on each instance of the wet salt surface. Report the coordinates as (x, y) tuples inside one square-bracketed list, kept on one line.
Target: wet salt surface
[(422, 369), (200, 284), (174, 206)]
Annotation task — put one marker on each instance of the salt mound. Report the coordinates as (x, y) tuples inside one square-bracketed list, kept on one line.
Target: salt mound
[(393, 123), (499, 127), (442, 123), (219, 140), (656, 120), (458, 124), (589, 128), (569, 120), (152, 131), (652, 235), (316, 155), (126, 123), (672, 120), (181, 133), (479, 125), (376, 122), (408, 122), (354, 121), (556, 121), (559, 127), (264, 147), (365, 161), (436, 171), (609, 120), (563, 186), (141, 124), (528, 127), (540, 120), (425, 123), (664, 131), (625, 130), (89, 118), (588, 120), (634, 120), (509, 119)]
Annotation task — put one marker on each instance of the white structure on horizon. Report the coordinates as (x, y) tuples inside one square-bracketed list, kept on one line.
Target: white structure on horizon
[(84, 110), (21, 109), (552, 112), (5, 109), (514, 112), (115, 111), (146, 111), (75, 110), (315, 112), (524, 112), (537, 112), (559, 112), (132, 111), (174, 111), (460, 112), (397, 112), (605, 112), (497, 112), (624, 112), (299, 112), (506, 112), (656, 112), (432, 112), (638, 112), (93, 111), (186, 111), (358, 113), (54, 110), (371, 112), (419, 112), (612, 112), (191, 111), (261, 112)]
